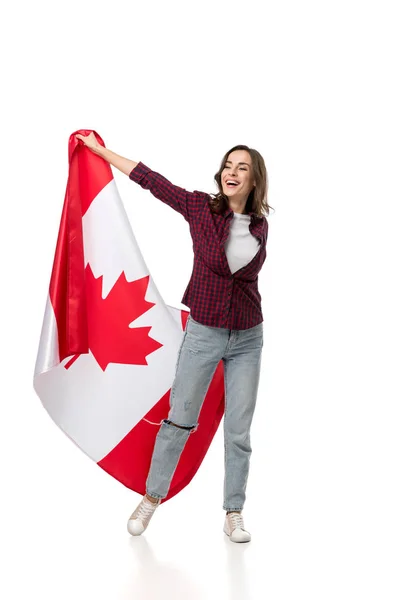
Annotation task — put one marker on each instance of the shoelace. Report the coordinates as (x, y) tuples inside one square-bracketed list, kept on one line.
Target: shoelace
[(236, 520), (145, 510)]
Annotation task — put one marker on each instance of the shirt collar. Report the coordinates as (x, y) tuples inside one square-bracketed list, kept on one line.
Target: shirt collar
[(251, 214)]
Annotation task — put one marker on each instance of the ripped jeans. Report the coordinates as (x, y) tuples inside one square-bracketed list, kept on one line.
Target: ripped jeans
[(202, 349)]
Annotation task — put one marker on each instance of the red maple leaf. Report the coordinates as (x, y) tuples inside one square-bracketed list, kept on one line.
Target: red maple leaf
[(111, 340)]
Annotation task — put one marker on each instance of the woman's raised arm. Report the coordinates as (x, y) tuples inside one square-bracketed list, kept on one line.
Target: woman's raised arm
[(186, 203), (123, 164)]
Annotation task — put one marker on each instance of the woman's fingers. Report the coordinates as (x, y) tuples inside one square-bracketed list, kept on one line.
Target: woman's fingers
[(89, 140)]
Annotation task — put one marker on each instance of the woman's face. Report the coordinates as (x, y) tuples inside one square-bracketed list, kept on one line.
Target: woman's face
[(237, 169)]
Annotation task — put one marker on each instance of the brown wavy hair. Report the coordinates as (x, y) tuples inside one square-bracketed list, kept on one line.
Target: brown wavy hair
[(257, 199)]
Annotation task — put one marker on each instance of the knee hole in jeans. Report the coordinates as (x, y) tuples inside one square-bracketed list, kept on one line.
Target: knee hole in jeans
[(188, 427)]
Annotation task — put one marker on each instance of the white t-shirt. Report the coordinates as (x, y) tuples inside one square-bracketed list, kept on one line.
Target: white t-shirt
[(240, 246)]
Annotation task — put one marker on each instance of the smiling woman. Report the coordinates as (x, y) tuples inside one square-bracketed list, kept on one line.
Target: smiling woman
[(245, 168), (229, 233)]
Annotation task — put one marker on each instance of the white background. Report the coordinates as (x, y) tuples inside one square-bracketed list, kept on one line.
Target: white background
[(314, 87)]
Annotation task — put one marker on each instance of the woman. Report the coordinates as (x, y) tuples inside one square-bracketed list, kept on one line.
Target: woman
[(229, 233)]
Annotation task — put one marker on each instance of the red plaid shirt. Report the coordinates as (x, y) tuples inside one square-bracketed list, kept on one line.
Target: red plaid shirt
[(216, 296)]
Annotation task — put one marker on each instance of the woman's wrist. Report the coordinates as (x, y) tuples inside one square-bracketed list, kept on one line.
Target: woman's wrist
[(123, 164), (99, 150)]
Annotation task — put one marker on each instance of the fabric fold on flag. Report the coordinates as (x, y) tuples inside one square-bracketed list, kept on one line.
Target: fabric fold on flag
[(109, 343)]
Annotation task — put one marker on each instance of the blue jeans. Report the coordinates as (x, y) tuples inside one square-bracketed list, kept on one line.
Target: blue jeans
[(202, 349)]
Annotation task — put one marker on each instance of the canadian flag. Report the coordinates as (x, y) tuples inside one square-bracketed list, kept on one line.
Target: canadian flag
[(109, 344)]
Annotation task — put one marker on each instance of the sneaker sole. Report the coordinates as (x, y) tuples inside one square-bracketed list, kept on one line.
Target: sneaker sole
[(236, 541)]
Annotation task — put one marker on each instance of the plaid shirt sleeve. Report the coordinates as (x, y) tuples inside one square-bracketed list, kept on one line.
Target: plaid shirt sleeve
[(184, 202)]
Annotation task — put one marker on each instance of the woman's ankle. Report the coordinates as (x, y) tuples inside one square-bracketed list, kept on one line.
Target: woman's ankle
[(151, 498)]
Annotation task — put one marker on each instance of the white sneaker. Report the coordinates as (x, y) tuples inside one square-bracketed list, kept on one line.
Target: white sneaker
[(234, 528), (141, 516)]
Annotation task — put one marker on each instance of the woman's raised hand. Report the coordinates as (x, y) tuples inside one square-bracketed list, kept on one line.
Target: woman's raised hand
[(123, 164), (89, 140)]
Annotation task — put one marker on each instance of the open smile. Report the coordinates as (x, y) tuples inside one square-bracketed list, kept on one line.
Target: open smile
[(231, 183)]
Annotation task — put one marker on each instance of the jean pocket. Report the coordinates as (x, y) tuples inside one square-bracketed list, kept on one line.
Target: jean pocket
[(187, 323)]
